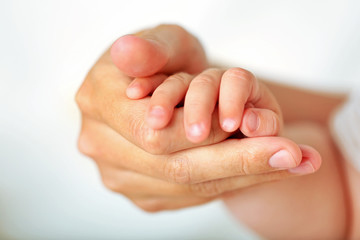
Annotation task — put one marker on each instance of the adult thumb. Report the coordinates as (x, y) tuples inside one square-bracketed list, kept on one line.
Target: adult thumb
[(165, 49)]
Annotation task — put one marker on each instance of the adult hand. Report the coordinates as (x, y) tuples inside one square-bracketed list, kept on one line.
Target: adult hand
[(114, 135), (102, 94)]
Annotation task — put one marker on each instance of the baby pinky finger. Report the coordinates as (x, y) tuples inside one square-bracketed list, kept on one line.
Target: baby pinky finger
[(259, 122), (142, 87)]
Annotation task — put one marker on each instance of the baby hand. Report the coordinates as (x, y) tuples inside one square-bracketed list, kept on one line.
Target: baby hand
[(243, 102)]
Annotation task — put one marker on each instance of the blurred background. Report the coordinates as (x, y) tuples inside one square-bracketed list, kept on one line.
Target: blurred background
[(48, 190)]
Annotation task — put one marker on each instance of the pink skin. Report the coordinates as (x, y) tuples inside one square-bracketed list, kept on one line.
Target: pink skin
[(243, 104), (142, 52), (311, 161), (141, 87), (164, 49), (164, 55)]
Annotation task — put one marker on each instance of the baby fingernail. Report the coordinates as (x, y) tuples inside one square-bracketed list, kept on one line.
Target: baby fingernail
[(229, 124), (133, 90), (196, 130), (252, 121), (155, 117), (157, 112), (282, 159), (303, 168)]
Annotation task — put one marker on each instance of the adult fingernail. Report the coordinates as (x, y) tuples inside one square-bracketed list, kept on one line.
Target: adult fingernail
[(229, 124), (252, 121), (303, 168), (282, 159)]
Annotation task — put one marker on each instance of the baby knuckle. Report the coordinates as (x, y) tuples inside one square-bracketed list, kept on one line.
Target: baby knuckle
[(215, 73), (205, 78), (175, 26), (241, 74), (177, 169), (181, 78), (161, 92)]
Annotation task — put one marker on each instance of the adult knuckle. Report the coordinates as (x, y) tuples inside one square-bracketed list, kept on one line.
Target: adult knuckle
[(135, 127), (88, 145), (83, 99), (177, 169), (79, 98), (149, 139), (150, 205), (95, 97), (112, 184), (207, 189), (152, 143), (241, 162), (89, 89)]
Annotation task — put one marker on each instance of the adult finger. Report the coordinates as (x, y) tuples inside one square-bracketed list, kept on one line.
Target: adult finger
[(230, 158), (165, 48), (136, 185), (310, 163), (102, 97), (99, 141)]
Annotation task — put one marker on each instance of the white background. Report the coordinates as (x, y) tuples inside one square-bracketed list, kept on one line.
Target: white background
[(47, 189)]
